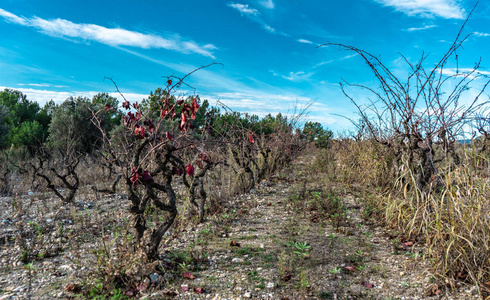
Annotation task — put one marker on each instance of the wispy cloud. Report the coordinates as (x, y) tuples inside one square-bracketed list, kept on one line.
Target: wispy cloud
[(267, 4), (62, 28), (421, 28), (449, 9), (334, 60), (481, 34), (244, 9), (255, 16), (298, 76), (463, 72), (305, 41), (11, 18), (43, 85)]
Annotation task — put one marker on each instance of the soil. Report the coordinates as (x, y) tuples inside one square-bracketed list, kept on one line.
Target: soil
[(261, 245)]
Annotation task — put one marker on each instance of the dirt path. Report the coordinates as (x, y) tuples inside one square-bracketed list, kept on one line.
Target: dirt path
[(287, 253)]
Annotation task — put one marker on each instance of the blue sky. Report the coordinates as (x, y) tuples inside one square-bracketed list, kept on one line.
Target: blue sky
[(55, 49)]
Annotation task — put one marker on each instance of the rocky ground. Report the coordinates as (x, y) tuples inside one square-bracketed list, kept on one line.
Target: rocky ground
[(262, 245)]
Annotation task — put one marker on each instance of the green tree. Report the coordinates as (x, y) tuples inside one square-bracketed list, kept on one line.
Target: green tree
[(23, 115), (315, 133), (110, 105), (4, 128), (29, 134), (71, 128)]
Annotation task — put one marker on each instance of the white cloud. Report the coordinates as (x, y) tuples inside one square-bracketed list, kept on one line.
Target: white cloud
[(268, 28), (43, 85), (463, 72), (254, 15), (305, 41), (267, 4), (42, 96), (481, 34), (334, 60), (449, 9), (244, 9), (62, 28), (421, 28), (253, 101), (10, 17), (298, 76)]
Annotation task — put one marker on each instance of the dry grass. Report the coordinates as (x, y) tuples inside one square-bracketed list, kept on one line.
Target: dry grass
[(450, 217)]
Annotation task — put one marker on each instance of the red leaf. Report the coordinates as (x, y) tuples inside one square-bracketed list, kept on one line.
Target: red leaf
[(185, 288), (151, 128), (408, 244), (189, 169), (189, 275), (350, 268), (146, 177), (126, 105), (194, 108), (135, 179), (198, 290), (169, 136), (198, 163), (183, 118), (251, 139), (169, 82), (368, 285)]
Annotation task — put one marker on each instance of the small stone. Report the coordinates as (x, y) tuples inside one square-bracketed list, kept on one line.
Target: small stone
[(247, 295), (18, 289), (49, 220), (402, 273), (270, 285), (154, 277), (237, 260)]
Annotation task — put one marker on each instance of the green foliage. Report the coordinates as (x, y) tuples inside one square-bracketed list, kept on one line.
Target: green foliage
[(3, 127), (23, 121), (71, 126), (111, 114), (151, 107), (315, 133), (29, 133)]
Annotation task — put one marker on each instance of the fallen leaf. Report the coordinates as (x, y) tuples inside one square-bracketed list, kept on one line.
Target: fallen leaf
[(198, 290), (350, 268), (185, 288), (367, 284), (434, 290), (234, 244), (269, 203), (189, 275), (408, 244), (72, 288)]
